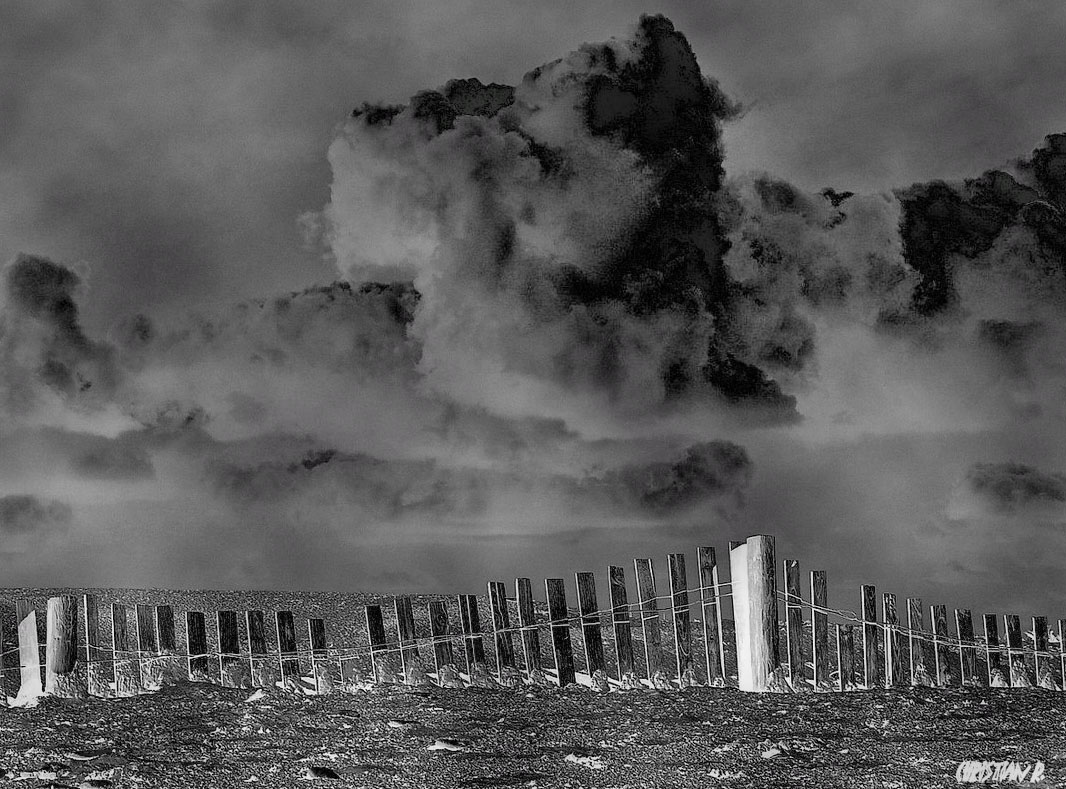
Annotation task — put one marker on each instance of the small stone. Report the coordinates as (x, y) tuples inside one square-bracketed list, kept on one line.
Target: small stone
[(446, 744), (313, 771)]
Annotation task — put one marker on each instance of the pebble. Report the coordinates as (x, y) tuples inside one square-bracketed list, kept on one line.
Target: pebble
[(313, 771), (445, 744)]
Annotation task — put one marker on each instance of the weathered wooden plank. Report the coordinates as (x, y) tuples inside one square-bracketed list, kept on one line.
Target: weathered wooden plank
[(917, 631), (793, 621), (196, 638), (559, 616), (681, 615), (29, 650), (98, 658), (127, 665), (623, 636), (146, 640), (442, 645), (527, 620), (61, 653), (473, 643), (938, 616), (1040, 646), (871, 672), (255, 621), (738, 577), (649, 615), (1062, 652), (845, 656), (967, 647), (405, 627), (893, 641), (992, 653), (166, 637), (288, 651), (229, 648), (591, 632), (501, 628), (320, 665), (762, 622), (375, 631), (711, 612), (820, 628), (1012, 629)]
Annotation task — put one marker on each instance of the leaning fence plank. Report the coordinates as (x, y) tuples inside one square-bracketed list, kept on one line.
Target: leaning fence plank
[(793, 621), (405, 627), (623, 636), (316, 637), (167, 641), (1012, 628), (1062, 652), (127, 666), (97, 661), (915, 640), (820, 628), (591, 627), (681, 617), (255, 621), (528, 622), (649, 615), (375, 631), (559, 614), (196, 638), (967, 648), (29, 651), (893, 641), (146, 641), (285, 627), (870, 669), (442, 645), (992, 653), (1040, 647), (229, 649), (845, 657), (711, 614), (473, 643), (61, 677), (938, 616), (501, 629)]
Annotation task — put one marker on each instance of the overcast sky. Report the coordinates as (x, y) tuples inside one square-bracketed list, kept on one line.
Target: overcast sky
[(195, 163)]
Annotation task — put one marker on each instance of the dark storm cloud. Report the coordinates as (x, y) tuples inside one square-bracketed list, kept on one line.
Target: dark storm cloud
[(704, 472), (1009, 487), (25, 514)]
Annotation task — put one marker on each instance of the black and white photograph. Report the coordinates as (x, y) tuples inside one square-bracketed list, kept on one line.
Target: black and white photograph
[(600, 394)]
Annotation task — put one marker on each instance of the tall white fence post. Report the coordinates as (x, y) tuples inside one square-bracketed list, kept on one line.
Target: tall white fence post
[(752, 570)]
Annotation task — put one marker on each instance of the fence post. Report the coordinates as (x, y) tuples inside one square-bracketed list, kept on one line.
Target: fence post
[(61, 653), (375, 630), (146, 644), (527, 620), (442, 645), (128, 667), (1040, 647), (820, 628), (560, 625), (167, 639), (738, 576), (29, 651), (845, 656), (938, 615), (405, 628), (870, 673), (893, 642), (591, 627), (914, 639), (316, 637), (761, 594), (257, 647), (1012, 627), (992, 653), (712, 616), (471, 623), (1062, 651), (501, 628), (679, 607), (623, 636), (793, 621), (288, 653), (196, 639), (967, 648), (95, 661), (649, 615)]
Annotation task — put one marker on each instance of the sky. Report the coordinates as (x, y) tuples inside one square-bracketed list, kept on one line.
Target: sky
[(597, 310)]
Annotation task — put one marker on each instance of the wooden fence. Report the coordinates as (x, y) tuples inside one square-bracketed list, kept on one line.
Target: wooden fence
[(625, 643)]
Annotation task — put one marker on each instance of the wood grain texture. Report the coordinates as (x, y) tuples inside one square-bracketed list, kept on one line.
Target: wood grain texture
[(711, 614), (285, 626), (196, 637), (146, 640), (649, 615), (893, 642), (819, 628), (992, 651), (166, 637), (29, 650), (591, 627), (870, 663), (938, 617), (1040, 645), (320, 665), (527, 620), (559, 615), (967, 648), (681, 615), (845, 657), (127, 666), (1012, 631), (762, 617), (61, 651), (501, 626), (917, 628), (255, 622), (405, 628), (375, 632), (793, 620), (623, 636), (229, 646), (438, 628), (470, 618)]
